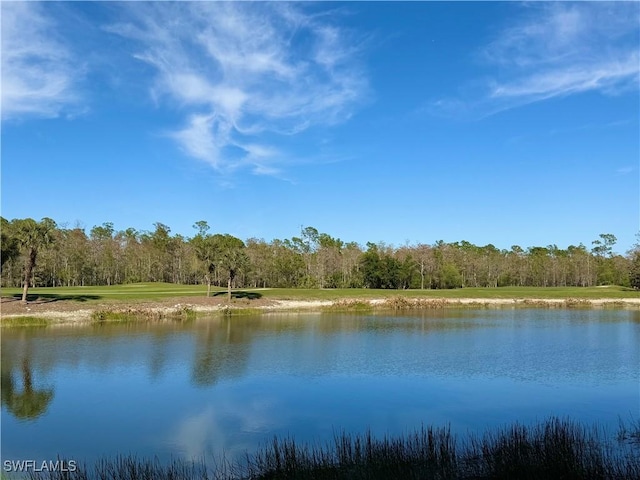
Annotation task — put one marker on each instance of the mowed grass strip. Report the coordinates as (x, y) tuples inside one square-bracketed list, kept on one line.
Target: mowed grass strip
[(160, 291), (128, 292), (479, 293)]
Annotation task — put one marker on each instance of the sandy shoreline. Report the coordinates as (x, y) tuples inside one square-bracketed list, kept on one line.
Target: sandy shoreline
[(68, 312)]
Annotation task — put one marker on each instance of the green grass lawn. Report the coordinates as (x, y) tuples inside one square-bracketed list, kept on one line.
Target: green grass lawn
[(480, 293), (159, 291), (134, 291)]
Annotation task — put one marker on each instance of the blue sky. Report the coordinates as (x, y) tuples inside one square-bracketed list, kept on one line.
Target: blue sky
[(495, 122)]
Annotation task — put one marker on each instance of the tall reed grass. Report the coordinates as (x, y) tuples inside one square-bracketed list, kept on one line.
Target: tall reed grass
[(142, 314), (24, 321), (554, 449)]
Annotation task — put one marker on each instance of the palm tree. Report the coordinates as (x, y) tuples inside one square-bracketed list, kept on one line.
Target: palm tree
[(206, 250), (31, 237), (232, 258)]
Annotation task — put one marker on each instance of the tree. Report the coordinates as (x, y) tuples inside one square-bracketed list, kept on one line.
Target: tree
[(328, 261), (406, 271), (604, 247), (102, 256), (163, 247), (389, 271), (8, 242), (423, 254), (516, 265), (603, 250), (371, 267), (634, 270), (230, 257), (634, 274), (538, 266), (581, 265), (132, 255), (307, 246), (288, 265), (104, 253), (449, 276), (32, 236), (206, 249)]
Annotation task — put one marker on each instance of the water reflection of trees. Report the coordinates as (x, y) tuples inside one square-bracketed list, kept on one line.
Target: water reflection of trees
[(406, 321), (222, 350), (222, 346), (211, 349), (25, 402)]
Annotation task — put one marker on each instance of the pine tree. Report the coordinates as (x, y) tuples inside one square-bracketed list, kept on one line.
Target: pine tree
[(634, 273)]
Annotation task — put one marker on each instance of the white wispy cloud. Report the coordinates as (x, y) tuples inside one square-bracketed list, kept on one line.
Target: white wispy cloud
[(625, 170), (38, 71), (240, 72), (201, 432), (557, 49)]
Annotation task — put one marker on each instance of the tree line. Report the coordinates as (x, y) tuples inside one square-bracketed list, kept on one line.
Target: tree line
[(45, 254)]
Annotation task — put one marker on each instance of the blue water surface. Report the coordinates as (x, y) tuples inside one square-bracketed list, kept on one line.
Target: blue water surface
[(223, 386)]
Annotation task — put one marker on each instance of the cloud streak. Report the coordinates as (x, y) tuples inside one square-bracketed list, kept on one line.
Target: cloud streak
[(557, 49), (625, 170), (38, 70), (242, 72)]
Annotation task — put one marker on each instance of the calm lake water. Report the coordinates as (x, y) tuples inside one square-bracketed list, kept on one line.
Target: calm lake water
[(188, 390)]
